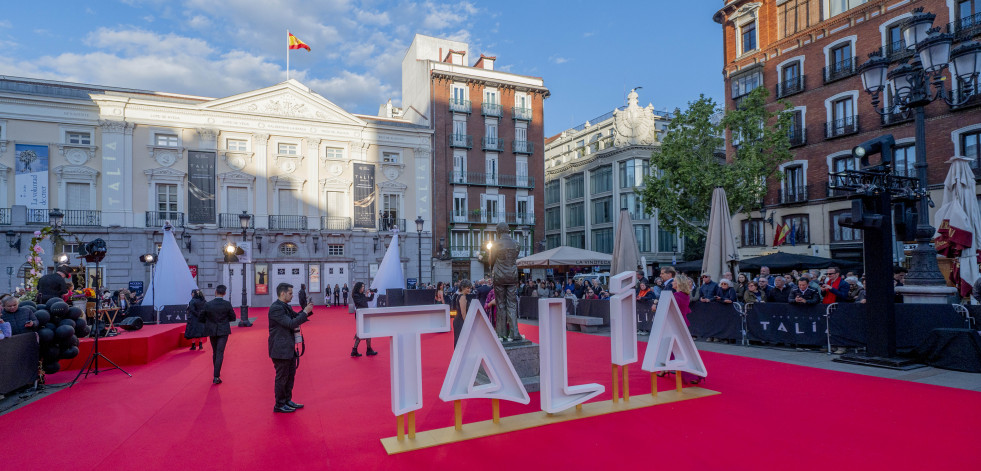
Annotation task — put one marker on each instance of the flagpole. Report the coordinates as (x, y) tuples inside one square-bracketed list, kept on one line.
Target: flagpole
[(287, 55)]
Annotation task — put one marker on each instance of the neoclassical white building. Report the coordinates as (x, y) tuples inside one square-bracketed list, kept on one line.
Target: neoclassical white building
[(324, 188), (594, 170)]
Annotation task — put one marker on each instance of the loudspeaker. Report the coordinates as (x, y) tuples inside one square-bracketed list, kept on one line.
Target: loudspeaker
[(130, 323)]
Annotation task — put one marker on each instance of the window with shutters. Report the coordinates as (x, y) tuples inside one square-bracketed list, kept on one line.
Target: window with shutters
[(77, 195), (237, 199), (289, 204), (336, 204), (167, 200)]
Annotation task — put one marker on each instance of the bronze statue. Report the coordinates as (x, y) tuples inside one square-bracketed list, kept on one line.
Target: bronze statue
[(503, 259)]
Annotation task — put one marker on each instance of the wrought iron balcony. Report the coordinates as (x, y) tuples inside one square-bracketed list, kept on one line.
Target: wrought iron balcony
[(234, 221), (897, 50), (335, 223), (790, 86), (523, 147), (495, 144), (965, 28), (460, 106), (476, 216), (157, 218), (463, 251), (288, 222), (839, 70), (841, 127), (387, 223), (491, 109), (833, 192), (797, 136), (82, 217), (38, 216), (896, 117), (463, 141), (521, 114), (490, 179), (794, 194)]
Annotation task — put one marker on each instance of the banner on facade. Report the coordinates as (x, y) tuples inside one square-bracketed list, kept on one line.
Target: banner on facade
[(31, 176), (364, 196), (314, 284), (194, 271), (200, 187), (261, 278)]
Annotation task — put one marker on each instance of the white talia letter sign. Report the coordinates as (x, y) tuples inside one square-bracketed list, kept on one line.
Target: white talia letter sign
[(623, 315), (670, 337), (556, 394)]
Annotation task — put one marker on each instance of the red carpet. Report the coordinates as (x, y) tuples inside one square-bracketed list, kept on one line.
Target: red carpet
[(129, 348), (769, 415)]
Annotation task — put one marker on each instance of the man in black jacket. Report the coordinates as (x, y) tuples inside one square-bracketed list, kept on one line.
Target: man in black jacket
[(21, 318), (53, 285), (218, 313), (284, 324)]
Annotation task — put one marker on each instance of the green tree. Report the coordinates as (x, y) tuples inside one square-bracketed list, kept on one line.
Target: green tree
[(690, 163)]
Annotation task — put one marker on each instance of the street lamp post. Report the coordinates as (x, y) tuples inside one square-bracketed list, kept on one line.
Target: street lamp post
[(55, 218), (244, 219), (420, 222), (911, 92)]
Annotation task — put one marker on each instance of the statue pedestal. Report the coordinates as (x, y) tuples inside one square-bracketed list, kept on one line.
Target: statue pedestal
[(916, 294), (524, 356)]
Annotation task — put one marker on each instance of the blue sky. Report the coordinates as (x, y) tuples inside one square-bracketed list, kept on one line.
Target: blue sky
[(588, 53)]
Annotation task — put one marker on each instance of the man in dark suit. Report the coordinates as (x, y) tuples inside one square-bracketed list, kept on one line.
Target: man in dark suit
[(217, 314), (53, 285), (482, 290), (284, 325)]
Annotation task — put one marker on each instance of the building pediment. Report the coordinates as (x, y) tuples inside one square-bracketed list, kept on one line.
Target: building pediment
[(289, 99), (240, 178)]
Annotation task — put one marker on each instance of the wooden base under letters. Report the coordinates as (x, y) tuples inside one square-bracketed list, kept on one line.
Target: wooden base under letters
[(442, 436)]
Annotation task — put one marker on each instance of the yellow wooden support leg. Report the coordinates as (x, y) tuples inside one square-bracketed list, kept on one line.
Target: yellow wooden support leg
[(400, 424), (496, 410), (412, 425), (626, 384), (578, 407), (616, 384), (654, 384), (458, 415), (677, 377)]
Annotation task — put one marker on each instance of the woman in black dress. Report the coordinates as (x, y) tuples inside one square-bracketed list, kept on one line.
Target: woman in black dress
[(462, 305), (327, 295), (302, 295), (345, 291), (337, 294), (194, 331), (361, 299)]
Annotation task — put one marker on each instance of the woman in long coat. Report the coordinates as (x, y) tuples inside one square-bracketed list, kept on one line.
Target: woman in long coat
[(194, 331)]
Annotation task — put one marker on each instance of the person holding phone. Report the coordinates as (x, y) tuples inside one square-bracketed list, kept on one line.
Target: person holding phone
[(284, 328), (361, 302)]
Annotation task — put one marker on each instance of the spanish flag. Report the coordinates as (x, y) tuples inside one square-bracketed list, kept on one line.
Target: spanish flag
[(781, 236), (296, 43)]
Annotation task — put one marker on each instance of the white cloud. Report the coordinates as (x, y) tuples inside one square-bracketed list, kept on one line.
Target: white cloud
[(587, 34), (199, 22), (373, 18), (559, 60)]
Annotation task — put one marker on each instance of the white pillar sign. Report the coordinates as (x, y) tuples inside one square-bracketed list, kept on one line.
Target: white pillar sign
[(556, 394), (670, 336), (478, 345), (404, 324), (623, 315)]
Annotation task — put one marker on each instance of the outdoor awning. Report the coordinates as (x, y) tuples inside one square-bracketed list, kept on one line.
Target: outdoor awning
[(565, 256)]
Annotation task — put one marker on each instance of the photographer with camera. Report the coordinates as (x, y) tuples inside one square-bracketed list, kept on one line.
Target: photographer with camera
[(284, 339), (361, 302)]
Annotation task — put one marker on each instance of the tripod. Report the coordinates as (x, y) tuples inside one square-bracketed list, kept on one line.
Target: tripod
[(92, 364)]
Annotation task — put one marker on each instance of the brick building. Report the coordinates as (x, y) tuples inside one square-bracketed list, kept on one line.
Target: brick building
[(488, 155), (807, 52)]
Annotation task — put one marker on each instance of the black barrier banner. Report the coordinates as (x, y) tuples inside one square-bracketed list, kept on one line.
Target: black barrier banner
[(364, 196), (200, 187), (787, 323), (18, 361), (716, 320), (173, 315), (849, 323)]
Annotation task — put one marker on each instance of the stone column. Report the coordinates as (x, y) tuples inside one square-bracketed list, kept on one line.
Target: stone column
[(260, 144)]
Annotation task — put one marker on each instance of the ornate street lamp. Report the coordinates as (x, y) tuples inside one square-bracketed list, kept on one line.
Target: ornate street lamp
[(911, 91), (13, 240), (420, 222), (243, 220)]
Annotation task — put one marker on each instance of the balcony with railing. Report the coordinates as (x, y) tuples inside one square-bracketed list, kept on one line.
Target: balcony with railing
[(797, 135), (523, 147), (335, 223), (459, 106), (387, 223), (38, 216), (839, 70), (287, 222), (477, 216), (790, 86), (463, 141), (489, 179), (82, 217), (463, 251), (897, 51), (158, 218), (965, 28), (234, 221), (841, 127), (521, 114), (793, 194), (491, 109), (494, 144), (833, 192), (5, 216), (896, 116)]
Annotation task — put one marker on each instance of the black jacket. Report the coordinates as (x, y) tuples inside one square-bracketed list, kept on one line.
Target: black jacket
[(18, 318), (217, 314), (283, 320), (50, 286), (302, 297), (195, 319), (361, 301), (775, 295)]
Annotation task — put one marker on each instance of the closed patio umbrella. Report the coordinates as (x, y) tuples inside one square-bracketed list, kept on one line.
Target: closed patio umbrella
[(958, 224), (720, 243), (626, 254)]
